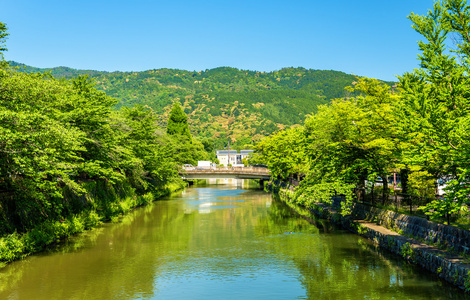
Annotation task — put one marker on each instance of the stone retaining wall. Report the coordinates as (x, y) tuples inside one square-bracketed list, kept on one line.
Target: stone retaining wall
[(443, 236), (446, 265)]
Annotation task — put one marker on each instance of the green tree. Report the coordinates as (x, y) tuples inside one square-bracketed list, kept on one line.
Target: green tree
[(151, 165), (64, 150), (186, 150), (352, 140), (178, 123), (436, 99), (209, 147), (41, 150), (3, 36), (283, 153)]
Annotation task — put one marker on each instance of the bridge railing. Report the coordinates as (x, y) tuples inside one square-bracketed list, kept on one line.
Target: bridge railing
[(237, 170)]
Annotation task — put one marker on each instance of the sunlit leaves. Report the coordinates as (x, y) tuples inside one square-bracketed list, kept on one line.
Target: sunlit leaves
[(178, 122), (283, 153), (436, 100), (57, 135), (3, 36)]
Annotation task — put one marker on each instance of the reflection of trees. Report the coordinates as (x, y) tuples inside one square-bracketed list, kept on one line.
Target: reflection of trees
[(339, 269), (164, 241), (340, 265), (126, 260), (121, 263), (280, 220)]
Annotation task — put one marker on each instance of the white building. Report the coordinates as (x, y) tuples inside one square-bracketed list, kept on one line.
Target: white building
[(232, 157)]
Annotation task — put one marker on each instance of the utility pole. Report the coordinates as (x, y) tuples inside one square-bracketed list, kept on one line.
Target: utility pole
[(228, 153)]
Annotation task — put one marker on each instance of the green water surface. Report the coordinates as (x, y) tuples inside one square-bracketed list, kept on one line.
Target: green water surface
[(219, 242)]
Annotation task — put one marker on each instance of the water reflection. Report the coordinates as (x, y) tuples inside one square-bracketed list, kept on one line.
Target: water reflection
[(218, 242), (206, 200)]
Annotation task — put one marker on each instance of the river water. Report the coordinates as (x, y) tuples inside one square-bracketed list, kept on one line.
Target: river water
[(218, 242)]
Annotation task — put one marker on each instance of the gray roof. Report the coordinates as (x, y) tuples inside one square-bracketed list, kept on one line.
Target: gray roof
[(226, 152)]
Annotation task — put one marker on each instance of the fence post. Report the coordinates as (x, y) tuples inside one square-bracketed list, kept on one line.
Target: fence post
[(411, 205), (372, 194), (396, 201)]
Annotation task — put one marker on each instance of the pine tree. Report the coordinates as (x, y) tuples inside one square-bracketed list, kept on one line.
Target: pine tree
[(178, 122)]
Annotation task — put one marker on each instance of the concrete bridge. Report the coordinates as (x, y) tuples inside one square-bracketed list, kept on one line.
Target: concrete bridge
[(226, 172)]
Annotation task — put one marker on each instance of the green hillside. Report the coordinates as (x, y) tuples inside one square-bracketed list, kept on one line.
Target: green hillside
[(222, 103)]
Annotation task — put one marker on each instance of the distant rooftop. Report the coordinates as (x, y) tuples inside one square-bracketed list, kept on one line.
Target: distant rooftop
[(226, 152)]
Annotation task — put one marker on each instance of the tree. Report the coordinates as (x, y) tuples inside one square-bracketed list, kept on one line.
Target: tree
[(3, 36), (61, 143), (186, 150), (151, 165), (43, 145), (283, 153), (436, 99), (178, 123), (352, 139)]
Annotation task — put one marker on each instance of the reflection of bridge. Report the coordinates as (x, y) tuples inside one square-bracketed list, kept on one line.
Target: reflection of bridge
[(226, 172)]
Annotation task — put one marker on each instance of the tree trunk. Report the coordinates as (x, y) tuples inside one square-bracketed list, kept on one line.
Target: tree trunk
[(361, 189), (372, 194), (404, 180), (385, 190)]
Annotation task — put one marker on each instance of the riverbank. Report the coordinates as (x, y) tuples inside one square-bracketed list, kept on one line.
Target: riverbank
[(429, 245), (109, 207)]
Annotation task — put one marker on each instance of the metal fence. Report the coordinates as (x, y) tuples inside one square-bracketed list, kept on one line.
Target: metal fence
[(395, 199)]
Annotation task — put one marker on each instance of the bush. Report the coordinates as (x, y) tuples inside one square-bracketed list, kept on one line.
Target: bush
[(11, 247)]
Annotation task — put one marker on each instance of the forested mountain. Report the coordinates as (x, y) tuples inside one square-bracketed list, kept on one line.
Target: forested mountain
[(222, 103)]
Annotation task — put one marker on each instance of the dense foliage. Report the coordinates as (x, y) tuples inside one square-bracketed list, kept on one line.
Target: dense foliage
[(178, 123), (60, 137), (69, 160), (421, 127), (286, 153), (223, 103)]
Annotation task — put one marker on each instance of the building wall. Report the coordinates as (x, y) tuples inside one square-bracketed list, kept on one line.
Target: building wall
[(235, 158)]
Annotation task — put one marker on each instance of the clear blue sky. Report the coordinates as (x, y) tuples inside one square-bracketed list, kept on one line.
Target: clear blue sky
[(365, 37)]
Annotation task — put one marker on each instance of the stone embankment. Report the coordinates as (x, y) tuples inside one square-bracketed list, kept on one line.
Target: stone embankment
[(441, 249)]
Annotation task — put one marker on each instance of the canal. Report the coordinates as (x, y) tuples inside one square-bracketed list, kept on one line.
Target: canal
[(218, 242)]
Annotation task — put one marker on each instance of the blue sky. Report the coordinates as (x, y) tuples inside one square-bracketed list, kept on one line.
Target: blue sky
[(364, 37)]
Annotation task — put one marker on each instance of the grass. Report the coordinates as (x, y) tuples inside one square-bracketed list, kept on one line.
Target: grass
[(16, 246)]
